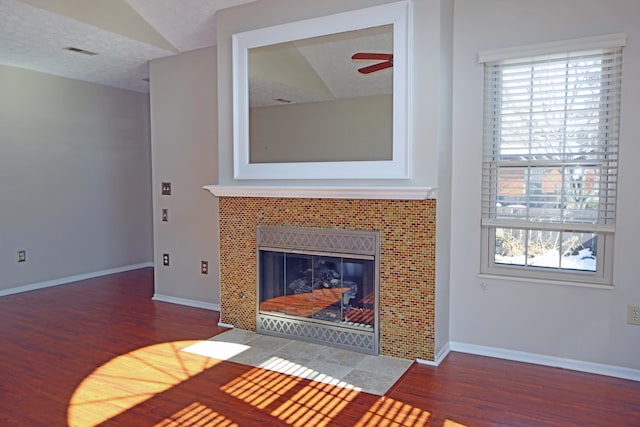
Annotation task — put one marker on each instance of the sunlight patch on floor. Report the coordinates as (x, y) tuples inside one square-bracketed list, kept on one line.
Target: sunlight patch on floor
[(316, 404), (449, 423), (290, 391), (297, 402), (216, 349), (259, 387), (284, 366), (300, 403), (197, 414), (130, 379), (393, 413)]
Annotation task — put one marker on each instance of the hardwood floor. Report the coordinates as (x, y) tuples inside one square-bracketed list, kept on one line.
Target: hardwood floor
[(101, 352)]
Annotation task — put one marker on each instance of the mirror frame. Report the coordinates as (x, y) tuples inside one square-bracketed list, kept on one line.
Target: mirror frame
[(398, 14)]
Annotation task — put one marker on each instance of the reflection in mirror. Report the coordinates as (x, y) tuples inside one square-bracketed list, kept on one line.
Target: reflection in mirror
[(324, 98), (308, 101)]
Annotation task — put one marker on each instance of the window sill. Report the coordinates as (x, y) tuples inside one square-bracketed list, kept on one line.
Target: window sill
[(554, 282)]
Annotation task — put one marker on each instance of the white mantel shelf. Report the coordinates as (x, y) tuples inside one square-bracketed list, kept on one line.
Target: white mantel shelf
[(370, 193)]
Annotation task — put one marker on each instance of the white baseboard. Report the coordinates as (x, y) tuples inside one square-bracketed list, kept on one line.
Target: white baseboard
[(187, 302), (442, 354), (225, 325), (71, 279), (541, 359)]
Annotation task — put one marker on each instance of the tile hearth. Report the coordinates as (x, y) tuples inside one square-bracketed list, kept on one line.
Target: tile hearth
[(371, 374)]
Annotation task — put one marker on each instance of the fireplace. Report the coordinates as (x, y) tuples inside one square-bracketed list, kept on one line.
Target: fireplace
[(319, 285), (407, 259)]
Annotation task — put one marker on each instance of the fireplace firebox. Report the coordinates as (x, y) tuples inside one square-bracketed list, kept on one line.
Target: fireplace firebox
[(319, 285)]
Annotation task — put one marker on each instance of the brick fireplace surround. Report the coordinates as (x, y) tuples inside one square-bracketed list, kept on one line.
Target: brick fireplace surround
[(407, 260)]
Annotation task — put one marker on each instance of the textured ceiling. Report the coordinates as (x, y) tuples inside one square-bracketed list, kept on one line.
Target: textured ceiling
[(126, 34), (187, 25)]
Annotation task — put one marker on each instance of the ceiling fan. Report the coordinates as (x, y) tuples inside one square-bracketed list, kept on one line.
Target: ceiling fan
[(386, 58)]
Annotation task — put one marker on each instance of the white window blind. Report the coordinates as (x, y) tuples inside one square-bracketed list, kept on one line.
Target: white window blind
[(550, 157)]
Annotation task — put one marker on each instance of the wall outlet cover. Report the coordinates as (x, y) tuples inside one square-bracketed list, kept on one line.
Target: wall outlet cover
[(166, 188), (633, 314)]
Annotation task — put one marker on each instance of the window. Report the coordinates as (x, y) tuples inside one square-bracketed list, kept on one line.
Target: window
[(550, 165)]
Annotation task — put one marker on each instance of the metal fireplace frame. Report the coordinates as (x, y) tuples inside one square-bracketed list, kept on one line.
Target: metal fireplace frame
[(321, 241)]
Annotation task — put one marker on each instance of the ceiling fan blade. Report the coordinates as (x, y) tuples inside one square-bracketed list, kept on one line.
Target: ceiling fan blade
[(375, 67), (373, 56)]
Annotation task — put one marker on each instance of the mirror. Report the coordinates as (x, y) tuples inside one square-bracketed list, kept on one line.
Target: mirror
[(306, 108)]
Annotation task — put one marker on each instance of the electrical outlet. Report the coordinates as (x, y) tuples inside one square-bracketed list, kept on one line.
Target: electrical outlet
[(633, 314), (165, 215), (165, 259), (22, 256), (166, 188), (204, 267)]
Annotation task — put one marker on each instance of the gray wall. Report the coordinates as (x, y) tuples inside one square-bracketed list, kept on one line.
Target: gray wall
[(75, 170), (183, 133), (443, 138), (561, 321)]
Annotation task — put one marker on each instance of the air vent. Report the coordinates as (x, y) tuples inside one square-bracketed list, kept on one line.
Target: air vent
[(82, 51)]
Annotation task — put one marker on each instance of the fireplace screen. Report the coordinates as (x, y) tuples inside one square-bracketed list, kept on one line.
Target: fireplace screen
[(320, 287)]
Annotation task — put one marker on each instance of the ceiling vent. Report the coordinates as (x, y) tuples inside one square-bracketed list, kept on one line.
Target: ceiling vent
[(82, 51)]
